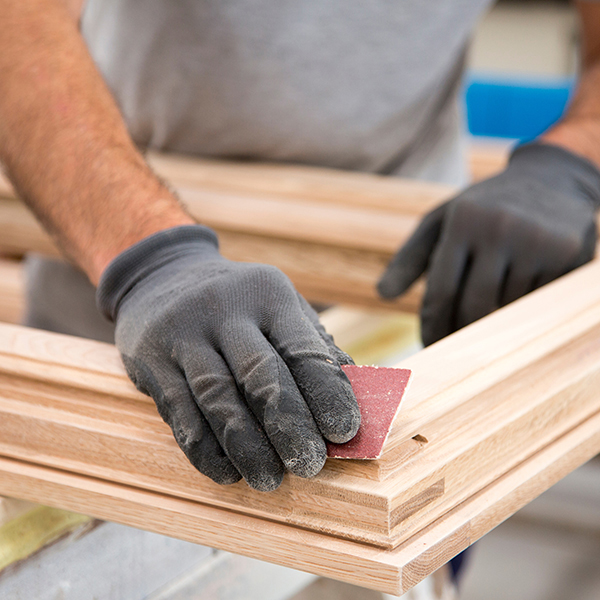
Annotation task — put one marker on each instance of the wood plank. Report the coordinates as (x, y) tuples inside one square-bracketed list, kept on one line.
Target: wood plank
[(364, 228), (488, 158), (83, 415), (321, 272), (476, 357), (317, 184), (331, 232), (11, 291), (320, 185), (113, 439), (391, 571)]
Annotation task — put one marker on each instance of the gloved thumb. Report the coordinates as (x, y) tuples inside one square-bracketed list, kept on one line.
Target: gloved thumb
[(410, 262)]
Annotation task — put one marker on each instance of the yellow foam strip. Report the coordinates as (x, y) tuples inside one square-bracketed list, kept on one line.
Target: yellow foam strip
[(393, 336), (29, 532), (372, 337)]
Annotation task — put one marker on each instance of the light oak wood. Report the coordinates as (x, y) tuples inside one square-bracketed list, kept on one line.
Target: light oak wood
[(496, 413), (11, 291), (310, 204), (317, 184), (331, 232), (466, 449), (488, 158), (292, 181), (474, 411), (11, 508), (392, 571)]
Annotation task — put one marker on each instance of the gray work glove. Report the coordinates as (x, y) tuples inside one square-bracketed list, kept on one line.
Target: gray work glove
[(235, 359), (500, 239)]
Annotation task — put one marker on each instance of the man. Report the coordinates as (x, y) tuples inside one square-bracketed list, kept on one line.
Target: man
[(234, 358)]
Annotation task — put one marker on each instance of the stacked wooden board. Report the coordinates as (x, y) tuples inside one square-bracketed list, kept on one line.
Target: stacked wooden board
[(332, 233), (495, 414)]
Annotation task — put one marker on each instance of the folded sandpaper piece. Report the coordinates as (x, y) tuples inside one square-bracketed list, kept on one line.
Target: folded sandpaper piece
[(379, 391)]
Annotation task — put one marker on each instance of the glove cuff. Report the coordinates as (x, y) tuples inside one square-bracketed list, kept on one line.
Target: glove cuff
[(143, 258), (560, 168)]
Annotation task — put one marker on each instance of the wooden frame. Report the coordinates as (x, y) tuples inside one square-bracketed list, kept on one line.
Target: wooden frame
[(484, 402), (496, 413), (392, 572)]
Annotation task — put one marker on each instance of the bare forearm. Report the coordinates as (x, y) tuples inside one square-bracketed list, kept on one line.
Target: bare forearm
[(64, 142), (579, 130)]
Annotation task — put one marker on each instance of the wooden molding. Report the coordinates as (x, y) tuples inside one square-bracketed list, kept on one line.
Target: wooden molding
[(483, 401), (393, 571), (12, 299), (496, 413), (331, 232)]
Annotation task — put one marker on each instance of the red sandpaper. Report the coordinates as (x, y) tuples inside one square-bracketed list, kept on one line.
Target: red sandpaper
[(379, 391)]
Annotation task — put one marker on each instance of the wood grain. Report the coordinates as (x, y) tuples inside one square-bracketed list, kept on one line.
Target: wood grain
[(482, 417), (331, 232), (318, 184), (496, 413), (11, 291), (391, 571), (492, 349)]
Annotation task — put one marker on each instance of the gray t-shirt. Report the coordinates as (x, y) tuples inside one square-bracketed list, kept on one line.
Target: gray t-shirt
[(368, 85), (352, 84)]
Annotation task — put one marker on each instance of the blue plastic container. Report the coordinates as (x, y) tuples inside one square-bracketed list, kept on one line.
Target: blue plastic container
[(514, 109)]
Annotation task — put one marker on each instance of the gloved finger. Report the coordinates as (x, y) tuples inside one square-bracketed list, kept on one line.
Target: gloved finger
[(520, 278), (558, 259), (588, 246), (167, 386), (540, 261), (339, 355), (410, 262), (482, 288), (235, 427), (318, 375), (271, 392), (525, 255), (449, 267)]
